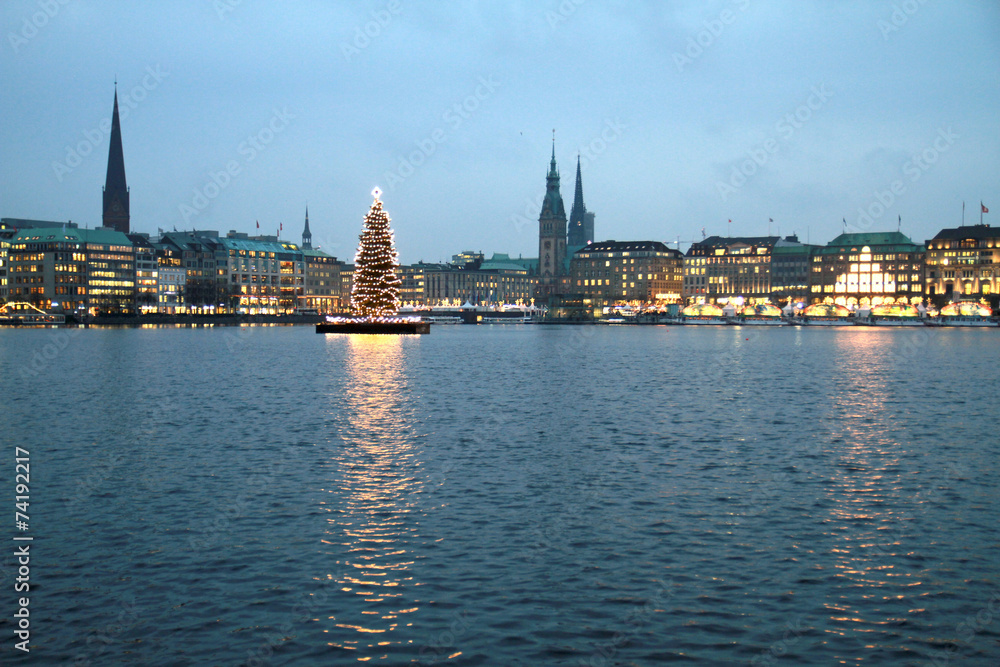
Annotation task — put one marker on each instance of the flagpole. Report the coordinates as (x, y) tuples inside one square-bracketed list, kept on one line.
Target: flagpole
[(981, 207), (963, 214)]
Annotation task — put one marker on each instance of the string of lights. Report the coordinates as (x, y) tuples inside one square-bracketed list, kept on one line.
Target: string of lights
[(376, 290)]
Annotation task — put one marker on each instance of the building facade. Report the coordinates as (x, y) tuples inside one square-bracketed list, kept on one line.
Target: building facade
[(146, 271), (413, 280), (170, 284), (74, 270), (322, 281), (963, 263), (639, 273), (718, 269), (791, 269), (238, 272), (495, 282), (868, 268)]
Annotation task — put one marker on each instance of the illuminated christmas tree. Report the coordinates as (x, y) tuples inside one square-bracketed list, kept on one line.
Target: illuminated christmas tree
[(376, 285)]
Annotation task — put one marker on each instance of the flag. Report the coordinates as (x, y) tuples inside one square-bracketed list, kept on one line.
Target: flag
[(281, 226), (770, 219), (258, 224), (983, 206)]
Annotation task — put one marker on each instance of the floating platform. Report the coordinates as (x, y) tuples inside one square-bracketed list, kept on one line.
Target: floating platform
[(363, 327)]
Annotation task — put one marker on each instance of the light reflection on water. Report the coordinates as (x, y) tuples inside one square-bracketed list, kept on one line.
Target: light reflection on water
[(372, 524), (514, 495)]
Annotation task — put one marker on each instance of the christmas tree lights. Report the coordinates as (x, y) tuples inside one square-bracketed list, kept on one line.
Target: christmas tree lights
[(376, 285)]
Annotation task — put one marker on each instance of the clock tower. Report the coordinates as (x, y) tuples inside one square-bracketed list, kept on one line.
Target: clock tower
[(551, 235)]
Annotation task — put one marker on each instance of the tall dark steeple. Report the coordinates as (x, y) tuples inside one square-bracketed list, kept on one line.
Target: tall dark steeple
[(551, 233), (577, 216), (116, 195), (307, 237)]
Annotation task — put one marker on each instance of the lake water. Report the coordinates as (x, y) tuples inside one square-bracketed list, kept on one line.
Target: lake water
[(507, 495)]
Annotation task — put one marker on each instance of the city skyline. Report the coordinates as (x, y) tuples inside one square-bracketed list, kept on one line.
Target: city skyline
[(830, 111)]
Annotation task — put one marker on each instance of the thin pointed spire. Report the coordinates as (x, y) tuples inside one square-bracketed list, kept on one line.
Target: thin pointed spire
[(307, 236), (552, 165), (116, 194), (577, 232)]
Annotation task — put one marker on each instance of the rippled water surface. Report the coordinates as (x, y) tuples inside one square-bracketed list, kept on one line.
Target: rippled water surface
[(508, 495)]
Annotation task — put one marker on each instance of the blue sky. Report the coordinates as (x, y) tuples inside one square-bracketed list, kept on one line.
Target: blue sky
[(687, 115)]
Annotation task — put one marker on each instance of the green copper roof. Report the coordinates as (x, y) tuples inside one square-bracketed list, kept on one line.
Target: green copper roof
[(870, 238), (884, 241), (310, 252), (101, 236)]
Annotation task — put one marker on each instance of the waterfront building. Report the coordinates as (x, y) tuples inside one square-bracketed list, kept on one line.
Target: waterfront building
[(5, 237), (551, 237), (194, 251), (498, 280), (718, 269), (238, 272), (963, 263), (72, 269), (146, 270), (791, 269), (411, 292), (170, 282), (637, 273), (346, 285), (868, 268), (116, 193), (322, 280)]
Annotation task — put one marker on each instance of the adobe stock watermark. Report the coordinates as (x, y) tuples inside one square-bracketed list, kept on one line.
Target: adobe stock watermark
[(363, 35), (455, 116), (784, 130), (708, 36), (790, 637), (223, 7), (901, 14), (31, 26), (565, 9), (127, 101), (589, 152), (444, 643), (913, 169), (967, 630), (248, 149)]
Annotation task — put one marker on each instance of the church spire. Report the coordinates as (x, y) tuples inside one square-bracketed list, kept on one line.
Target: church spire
[(552, 266), (552, 165), (116, 194), (307, 237), (578, 214), (552, 205), (578, 195)]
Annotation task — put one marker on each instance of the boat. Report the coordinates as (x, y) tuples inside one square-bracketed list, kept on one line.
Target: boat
[(702, 313), (762, 314), (895, 315), (827, 315), (964, 314), (28, 318)]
